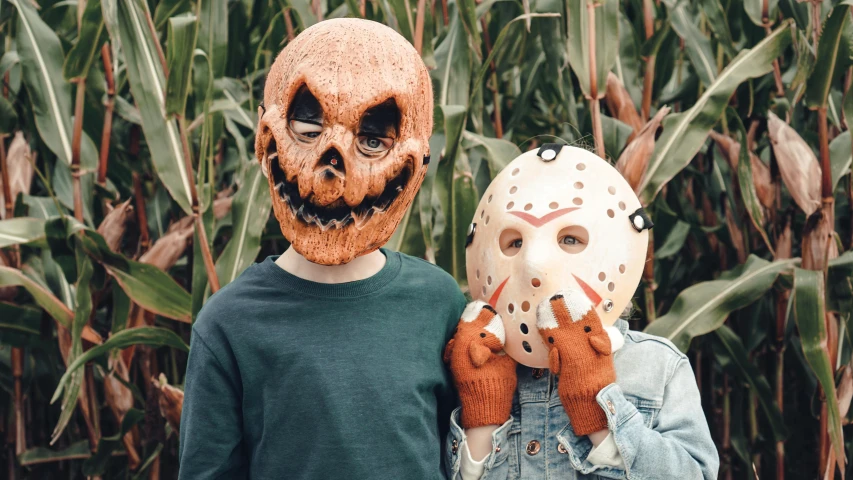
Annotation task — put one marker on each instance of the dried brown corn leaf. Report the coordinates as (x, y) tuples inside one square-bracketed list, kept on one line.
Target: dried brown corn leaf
[(635, 158), (114, 225), (798, 165), (819, 239), (621, 105), (170, 247), (761, 178), (171, 402), (20, 165)]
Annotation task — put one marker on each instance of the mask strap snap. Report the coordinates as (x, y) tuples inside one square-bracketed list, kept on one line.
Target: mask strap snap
[(549, 151), (640, 220)]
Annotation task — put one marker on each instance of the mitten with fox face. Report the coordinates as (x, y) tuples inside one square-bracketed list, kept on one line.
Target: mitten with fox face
[(484, 376), (580, 351)]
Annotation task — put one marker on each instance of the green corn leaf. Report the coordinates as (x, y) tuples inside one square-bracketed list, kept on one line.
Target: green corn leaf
[(606, 41), (718, 21), (213, 34), (447, 254), (754, 9), (18, 231), (12, 277), (167, 9), (41, 57), (152, 336), (809, 313), (81, 317), (39, 455), (820, 82), (840, 156), (92, 36), (179, 59), (453, 74), (8, 116), (499, 152), (698, 46), (746, 182), (703, 307), (250, 211), (734, 350), (148, 86), (685, 133), (674, 240)]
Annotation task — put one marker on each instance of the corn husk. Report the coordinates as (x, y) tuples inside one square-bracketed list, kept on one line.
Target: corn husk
[(798, 165), (170, 247), (114, 225), (19, 161), (621, 105), (171, 402), (819, 244), (784, 242), (635, 158), (761, 178), (844, 392)]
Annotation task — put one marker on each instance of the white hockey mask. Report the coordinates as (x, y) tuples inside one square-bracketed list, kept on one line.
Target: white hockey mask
[(555, 218)]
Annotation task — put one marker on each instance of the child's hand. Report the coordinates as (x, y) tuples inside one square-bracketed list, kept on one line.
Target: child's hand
[(484, 376), (580, 352)]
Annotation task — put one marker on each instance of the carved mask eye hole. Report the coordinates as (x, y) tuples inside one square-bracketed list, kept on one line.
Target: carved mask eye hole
[(379, 128), (305, 117)]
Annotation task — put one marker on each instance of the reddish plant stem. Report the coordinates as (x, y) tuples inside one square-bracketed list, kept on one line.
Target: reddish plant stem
[(141, 215), (317, 6), (8, 201), (362, 8), (726, 443), (595, 106), (199, 223), (108, 115), (76, 140), (288, 23), (444, 12), (498, 122), (826, 170), (419, 26), (156, 39), (649, 77)]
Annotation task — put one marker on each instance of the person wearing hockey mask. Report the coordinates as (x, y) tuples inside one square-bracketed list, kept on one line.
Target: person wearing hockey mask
[(325, 361), (551, 381)]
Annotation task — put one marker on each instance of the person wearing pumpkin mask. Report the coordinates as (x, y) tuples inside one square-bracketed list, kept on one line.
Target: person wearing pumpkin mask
[(326, 361), (565, 390)]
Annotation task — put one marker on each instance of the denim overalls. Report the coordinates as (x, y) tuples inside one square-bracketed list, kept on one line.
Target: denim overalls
[(654, 413)]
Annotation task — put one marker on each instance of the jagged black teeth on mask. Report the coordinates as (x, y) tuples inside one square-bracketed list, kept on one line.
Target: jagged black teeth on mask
[(338, 214)]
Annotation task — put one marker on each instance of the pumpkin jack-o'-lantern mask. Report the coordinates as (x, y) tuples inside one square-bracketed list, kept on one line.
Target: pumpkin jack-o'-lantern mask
[(343, 137), (555, 218)]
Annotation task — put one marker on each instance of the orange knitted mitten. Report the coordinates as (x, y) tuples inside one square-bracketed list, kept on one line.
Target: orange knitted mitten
[(484, 376), (580, 352)]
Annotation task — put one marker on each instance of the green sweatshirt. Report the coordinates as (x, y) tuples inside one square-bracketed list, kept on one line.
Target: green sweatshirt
[(293, 379)]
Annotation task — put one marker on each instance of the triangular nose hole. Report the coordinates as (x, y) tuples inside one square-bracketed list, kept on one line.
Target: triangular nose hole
[(332, 158)]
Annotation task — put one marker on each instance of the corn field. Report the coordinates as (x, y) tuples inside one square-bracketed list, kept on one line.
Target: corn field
[(130, 194)]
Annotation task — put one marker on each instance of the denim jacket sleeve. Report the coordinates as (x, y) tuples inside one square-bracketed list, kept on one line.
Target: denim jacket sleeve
[(496, 466), (678, 446)]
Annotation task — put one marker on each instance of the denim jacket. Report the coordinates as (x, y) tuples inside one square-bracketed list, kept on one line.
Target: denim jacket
[(654, 413)]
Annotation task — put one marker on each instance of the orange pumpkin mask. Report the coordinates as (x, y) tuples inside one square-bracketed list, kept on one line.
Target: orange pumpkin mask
[(343, 137)]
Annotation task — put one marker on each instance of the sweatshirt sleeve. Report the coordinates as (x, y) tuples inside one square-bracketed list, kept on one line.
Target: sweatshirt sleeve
[(211, 444)]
